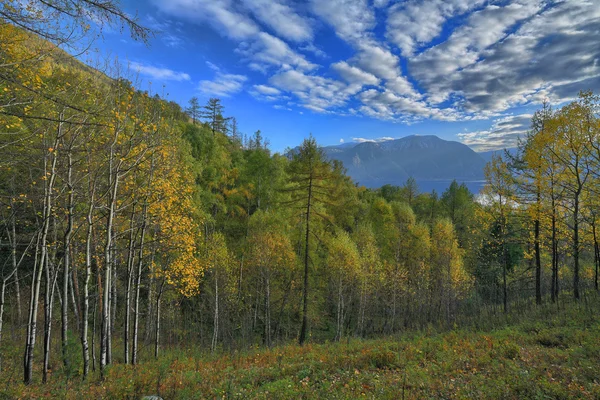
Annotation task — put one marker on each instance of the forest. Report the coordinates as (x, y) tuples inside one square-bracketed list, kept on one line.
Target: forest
[(131, 225)]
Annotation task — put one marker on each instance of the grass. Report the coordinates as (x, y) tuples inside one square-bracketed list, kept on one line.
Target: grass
[(549, 354)]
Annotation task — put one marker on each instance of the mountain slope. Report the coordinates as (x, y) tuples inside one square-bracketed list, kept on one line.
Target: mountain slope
[(425, 158), (487, 155)]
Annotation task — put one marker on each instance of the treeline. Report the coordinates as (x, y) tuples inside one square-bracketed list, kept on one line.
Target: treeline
[(132, 223)]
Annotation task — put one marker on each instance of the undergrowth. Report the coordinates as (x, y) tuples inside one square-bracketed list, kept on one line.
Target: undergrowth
[(550, 353)]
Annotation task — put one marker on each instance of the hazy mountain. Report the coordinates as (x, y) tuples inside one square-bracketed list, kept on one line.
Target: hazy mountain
[(425, 158), (487, 155)]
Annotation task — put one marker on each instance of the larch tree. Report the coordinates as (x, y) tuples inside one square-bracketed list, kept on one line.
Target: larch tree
[(311, 186)]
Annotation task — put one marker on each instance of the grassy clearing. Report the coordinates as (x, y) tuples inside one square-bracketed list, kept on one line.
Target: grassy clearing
[(549, 354)]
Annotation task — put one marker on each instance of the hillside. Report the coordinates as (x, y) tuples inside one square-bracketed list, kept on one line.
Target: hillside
[(543, 353), (425, 158), (487, 155)]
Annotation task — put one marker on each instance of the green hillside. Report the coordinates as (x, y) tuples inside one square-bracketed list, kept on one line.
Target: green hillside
[(545, 353)]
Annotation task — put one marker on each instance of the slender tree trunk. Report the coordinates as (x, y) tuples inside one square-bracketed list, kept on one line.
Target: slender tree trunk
[(67, 262), (2, 300), (39, 265), (94, 332), (86, 288), (138, 283), (267, 310), (576, 248), (130, 262), (75, 298), (538, 260), (338, 334), (596, 256), (213, 345), (51, 277), (13, 243), (157, 337), (113, 307), (504, 289), (105, 331), (554, 288), (303, 329)]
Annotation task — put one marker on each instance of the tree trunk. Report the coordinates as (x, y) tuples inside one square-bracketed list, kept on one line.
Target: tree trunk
[(2, 294), (138, 283), (130, 262), (554, 289), (338, 333), (86, 287), (39, 266), (576, 248), (51, 277), (13, 243), (303, 329), (267, 310), (157, 336), (538, 264), (112, 203), (596, 256), (67, 263), (213, 345)]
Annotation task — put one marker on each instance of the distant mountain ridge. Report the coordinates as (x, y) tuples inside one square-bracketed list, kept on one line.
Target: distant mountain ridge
[(487, 155), (425, 158)]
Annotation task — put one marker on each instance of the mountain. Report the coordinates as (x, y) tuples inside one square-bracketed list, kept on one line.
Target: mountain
[(425, 158), (487, 155)]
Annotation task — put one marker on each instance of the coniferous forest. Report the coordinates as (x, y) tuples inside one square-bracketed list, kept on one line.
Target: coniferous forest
[(138, 234)]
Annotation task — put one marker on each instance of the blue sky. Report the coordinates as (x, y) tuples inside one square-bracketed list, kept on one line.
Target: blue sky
[(353, 70)]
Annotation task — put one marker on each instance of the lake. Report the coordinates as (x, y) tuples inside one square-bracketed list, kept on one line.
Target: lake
[(426, 186)]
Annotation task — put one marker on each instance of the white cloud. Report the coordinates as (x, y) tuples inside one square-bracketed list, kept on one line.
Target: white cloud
[(553, 54), (316, 93), (466, 45), (224, 84), (503, 133), (353, 74), (267, 90), (311, 48), (282, 18), (377, 60), (341, 140), (446, 60), (260, 48), (352, 20), (375, 140), (158, 73), (414, 23), (219, 13), (270, 50)]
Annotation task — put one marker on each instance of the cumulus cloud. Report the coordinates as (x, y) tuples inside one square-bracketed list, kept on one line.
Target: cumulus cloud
[(223, 84), (158, 73), (353, 74), (267, 90), (352, 20), (530, 53), (228, 18), (315, 92), (281, 18), (414, 23), (377, 60), (504, 133), (445, 60), (270, 50), (220, 13)]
